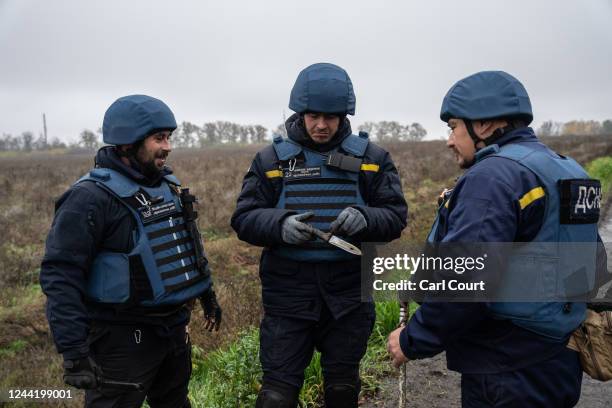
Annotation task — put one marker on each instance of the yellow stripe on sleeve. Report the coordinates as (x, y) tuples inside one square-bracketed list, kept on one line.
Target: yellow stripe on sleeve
[(531, 196), (274, 173), (370, 167)]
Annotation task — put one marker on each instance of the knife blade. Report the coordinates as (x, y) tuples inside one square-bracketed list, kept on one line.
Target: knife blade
[(335, 241)]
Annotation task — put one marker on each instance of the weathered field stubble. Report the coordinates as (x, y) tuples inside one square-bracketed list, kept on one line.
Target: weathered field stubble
[(30, 183)]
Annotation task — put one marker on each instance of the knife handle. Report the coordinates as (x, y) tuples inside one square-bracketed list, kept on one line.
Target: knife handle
[(325, 236)]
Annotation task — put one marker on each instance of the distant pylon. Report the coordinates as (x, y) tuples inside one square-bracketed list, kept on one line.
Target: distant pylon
[(45, 128)]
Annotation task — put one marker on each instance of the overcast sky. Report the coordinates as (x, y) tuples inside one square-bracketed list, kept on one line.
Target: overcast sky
[(237, 60)]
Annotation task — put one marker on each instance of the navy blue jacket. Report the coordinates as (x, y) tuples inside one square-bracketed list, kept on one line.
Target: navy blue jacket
[(88, 220), (298, 289), (484, 207)]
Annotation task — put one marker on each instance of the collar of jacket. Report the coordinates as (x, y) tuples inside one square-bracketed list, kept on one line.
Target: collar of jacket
[(297, 132), (525, 134), (107, 157)]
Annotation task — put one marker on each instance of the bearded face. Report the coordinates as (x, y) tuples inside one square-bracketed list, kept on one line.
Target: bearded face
[(153, 152)]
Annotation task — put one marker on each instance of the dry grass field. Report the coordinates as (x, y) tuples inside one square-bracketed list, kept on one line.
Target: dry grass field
[(29, 185)]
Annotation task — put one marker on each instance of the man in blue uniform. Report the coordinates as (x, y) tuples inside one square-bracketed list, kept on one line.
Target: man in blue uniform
[(326, 177), (123, 265), (514, 190)]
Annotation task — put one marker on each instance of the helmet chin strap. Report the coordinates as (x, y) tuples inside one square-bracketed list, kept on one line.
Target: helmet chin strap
[(130, 154), (497, 134), (473, 135)]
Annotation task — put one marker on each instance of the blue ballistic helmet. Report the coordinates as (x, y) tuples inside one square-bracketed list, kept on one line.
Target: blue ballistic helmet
[(324, 88), (487, 95), (134, 117)]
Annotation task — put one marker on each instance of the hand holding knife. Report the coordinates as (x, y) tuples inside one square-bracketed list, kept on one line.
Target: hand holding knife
[(295, 231)]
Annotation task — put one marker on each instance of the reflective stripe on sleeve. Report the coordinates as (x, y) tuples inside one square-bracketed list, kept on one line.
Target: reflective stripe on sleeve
[(274, 173), (531, 196), (370, 167)]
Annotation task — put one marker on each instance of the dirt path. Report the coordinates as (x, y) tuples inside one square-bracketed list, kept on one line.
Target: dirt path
[(430, 384)]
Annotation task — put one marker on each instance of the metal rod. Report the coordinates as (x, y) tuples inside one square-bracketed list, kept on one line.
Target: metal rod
[(402, 375), (120, 385)]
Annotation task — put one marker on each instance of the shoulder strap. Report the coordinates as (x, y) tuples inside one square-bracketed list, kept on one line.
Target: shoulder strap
[(171, 178), (112, 180), (356, 145), (515, 151), (285, 149), (117, 183)]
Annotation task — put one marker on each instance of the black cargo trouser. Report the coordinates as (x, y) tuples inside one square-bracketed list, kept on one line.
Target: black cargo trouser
[(157, 357), (287, 345), (555, 382)]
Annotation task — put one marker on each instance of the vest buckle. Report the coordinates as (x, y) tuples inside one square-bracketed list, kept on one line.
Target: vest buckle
[(140, 197), (292, 164)]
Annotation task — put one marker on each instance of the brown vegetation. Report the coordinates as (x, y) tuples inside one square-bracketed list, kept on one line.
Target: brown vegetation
[(29, 185)]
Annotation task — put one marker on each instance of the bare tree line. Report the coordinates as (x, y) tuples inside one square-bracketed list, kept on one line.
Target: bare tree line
[(26, 142), (190, 135), (575, 128), (220, 132), (392, 131)]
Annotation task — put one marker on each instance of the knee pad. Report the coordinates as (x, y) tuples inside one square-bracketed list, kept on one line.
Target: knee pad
[(339, 395), (277, 396)]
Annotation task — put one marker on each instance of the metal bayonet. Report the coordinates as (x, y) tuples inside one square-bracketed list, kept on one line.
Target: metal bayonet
[(335, 241)]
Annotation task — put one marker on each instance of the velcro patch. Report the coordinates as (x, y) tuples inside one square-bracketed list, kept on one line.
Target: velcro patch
[(344, 162), (580, 201), (151, 213), (304, 172)]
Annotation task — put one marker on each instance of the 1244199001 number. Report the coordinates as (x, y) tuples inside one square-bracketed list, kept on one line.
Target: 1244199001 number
[(36, 393)]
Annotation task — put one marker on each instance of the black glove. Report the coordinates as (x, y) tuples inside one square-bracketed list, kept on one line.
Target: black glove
[(212, 310), (82, 373)]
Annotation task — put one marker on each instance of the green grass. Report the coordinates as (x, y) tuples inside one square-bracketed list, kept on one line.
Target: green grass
[(602, 169), (231, 377), (228, 377), (13, 348)]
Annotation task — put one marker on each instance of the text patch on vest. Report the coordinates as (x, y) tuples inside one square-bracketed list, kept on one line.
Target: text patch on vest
[(304, 172), (580, 201), (151, 213)]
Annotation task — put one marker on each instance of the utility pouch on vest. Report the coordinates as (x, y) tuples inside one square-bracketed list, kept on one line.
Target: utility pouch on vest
[(119, 279), (344, 162), (593, 340), (110, 279)]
